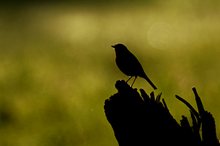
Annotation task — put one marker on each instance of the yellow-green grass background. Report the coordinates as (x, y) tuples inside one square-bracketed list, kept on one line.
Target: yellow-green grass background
[(57, 66)]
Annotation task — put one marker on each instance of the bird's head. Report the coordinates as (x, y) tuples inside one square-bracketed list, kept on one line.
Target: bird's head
[(120, 48)]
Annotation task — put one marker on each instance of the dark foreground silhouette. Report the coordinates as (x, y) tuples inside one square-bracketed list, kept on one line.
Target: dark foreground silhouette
[(139, 119)]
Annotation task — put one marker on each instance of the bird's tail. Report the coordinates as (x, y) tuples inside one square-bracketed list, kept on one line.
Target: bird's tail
[(150, 82)]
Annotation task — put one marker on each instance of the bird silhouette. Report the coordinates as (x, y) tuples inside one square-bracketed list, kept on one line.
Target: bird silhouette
[(129, 64)]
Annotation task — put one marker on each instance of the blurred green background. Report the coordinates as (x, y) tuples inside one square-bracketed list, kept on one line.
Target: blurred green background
[(57, 65)]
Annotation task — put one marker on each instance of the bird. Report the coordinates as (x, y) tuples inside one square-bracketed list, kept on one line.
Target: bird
[(129, 64)]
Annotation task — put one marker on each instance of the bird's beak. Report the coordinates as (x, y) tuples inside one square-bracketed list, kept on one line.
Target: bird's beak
[(113, 46)]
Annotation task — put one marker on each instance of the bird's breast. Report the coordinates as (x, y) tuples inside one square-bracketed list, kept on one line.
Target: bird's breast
[(124, 65)]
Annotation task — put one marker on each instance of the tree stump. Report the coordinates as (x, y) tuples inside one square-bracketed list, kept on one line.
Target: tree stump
[(139, 119)]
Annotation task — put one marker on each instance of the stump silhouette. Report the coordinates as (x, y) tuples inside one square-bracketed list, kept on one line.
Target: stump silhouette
[(139, 119)]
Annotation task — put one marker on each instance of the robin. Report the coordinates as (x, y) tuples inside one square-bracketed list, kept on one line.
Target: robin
[(129, 64)]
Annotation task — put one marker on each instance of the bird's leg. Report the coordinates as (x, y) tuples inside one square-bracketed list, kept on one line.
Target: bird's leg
[(129, 79), (134, 80)]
